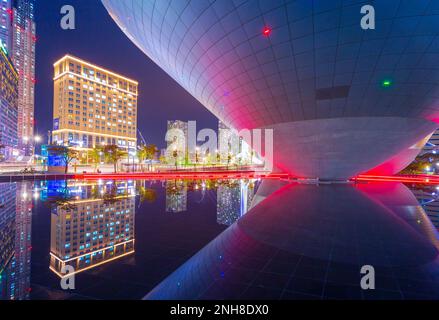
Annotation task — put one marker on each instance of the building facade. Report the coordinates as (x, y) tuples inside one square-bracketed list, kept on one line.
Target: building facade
[(341, 100), (93, 106), (23, 55), (18, 35), (177, 142), (9, 83), (6, 22)]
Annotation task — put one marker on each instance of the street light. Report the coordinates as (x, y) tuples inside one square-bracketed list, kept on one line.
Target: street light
[(175, 155)]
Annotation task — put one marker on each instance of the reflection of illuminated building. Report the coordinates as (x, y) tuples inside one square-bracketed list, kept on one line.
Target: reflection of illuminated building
[(7, 223), (15, 240), (176, 196), (233, 200), (88, 232)]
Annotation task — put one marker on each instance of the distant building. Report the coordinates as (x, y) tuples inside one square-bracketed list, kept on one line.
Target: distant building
[(231, 147), (92, 230), (8, 105), (177, 148), (93, 106)]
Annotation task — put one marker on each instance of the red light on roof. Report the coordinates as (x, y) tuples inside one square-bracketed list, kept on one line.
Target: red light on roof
[(267, 31)]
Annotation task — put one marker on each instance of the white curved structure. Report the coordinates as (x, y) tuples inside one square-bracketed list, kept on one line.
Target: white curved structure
[(342, 100)]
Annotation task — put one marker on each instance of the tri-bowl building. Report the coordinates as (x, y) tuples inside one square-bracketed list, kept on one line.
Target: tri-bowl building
[(342, 100)]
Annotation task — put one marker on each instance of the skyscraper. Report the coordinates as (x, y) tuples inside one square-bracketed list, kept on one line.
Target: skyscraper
[(93, 106), (8, 105), (23, 38), (6, 22)]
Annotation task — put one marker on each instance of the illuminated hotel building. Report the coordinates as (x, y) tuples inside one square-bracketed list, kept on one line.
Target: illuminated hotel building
[(93, 106), (89, 232), (8, 105)]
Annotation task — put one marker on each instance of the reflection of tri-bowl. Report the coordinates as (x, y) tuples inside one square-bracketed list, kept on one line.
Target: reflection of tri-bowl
[(339, 227)]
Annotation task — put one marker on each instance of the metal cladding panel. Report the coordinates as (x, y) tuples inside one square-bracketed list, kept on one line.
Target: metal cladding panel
[(217, 51)]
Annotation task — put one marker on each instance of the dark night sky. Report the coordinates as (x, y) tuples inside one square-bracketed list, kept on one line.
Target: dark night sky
[(97, 39)]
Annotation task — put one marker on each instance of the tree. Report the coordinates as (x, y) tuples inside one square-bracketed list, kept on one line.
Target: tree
[(148, 152), (113, 154), (65, 153), (147, 194), (95, 155)]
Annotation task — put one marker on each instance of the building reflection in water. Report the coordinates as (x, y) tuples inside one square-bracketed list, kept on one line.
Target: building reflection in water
[(91, 224), (176, 195), (234, 199), (15, 240)]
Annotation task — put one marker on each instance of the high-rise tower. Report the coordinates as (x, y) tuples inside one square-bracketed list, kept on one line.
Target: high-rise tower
[(6, 22), (23, 38)]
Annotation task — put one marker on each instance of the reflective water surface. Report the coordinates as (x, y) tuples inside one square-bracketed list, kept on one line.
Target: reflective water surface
[(217, 239)]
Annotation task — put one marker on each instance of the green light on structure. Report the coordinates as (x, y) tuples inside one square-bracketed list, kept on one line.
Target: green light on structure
[(386, 83)]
